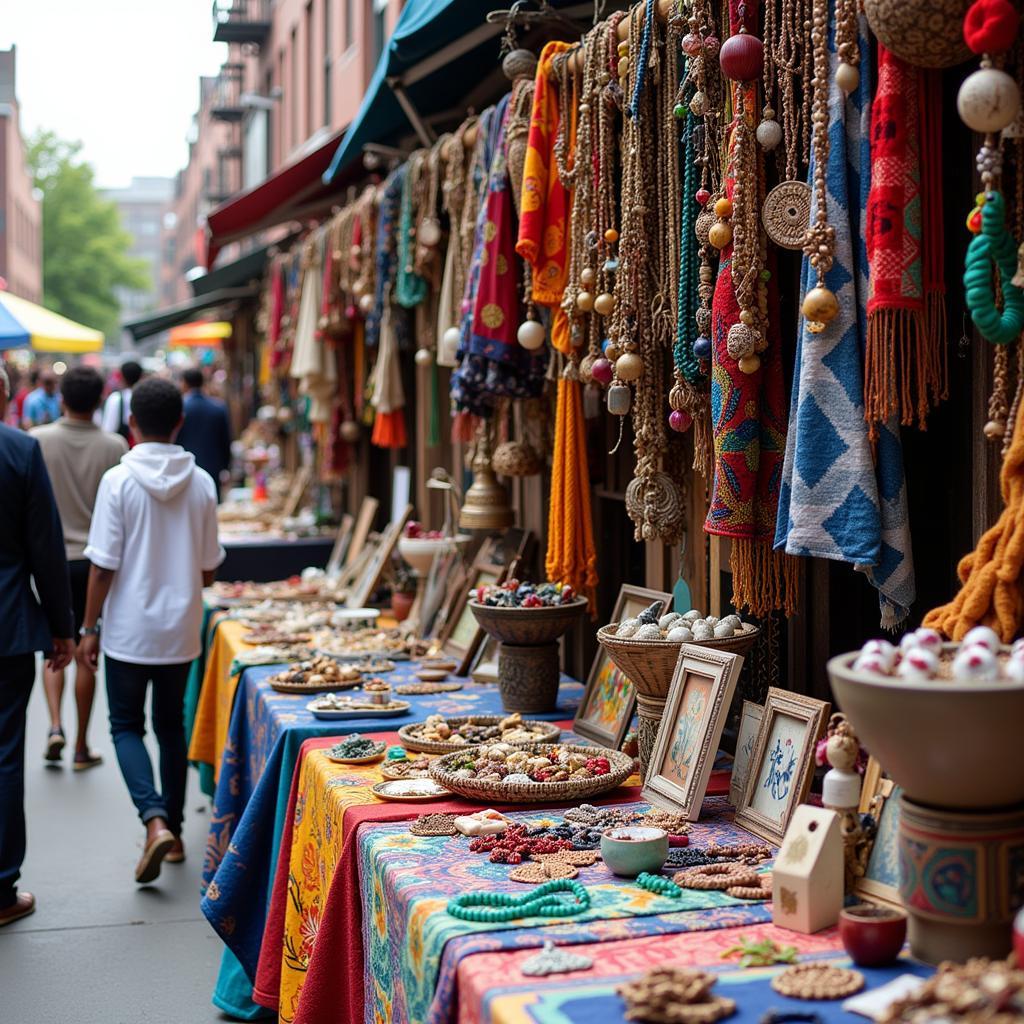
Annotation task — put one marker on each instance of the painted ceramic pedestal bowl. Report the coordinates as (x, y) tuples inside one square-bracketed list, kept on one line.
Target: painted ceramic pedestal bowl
[(954, 749), (528, 668)]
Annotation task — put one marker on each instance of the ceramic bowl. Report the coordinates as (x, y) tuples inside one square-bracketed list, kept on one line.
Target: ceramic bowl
[(630, 849), (527, 626), (872, 935)]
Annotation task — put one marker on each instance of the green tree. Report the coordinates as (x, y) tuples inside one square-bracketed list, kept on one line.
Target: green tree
[(85, 247)]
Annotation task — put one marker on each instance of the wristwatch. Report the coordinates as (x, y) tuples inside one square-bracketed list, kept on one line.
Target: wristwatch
[(90, 630)]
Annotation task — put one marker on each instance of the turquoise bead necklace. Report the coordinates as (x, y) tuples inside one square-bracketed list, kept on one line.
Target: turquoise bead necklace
[(544, 901), (659, 885)]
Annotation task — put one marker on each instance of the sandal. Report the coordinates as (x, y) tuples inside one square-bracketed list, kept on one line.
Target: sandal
[(54, 745), (148, 867)]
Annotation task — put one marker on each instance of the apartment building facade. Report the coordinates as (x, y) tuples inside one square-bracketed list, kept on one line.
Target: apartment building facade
[(21, 215)]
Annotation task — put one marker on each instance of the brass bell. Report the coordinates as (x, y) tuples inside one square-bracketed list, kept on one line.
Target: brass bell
[(485, 506)]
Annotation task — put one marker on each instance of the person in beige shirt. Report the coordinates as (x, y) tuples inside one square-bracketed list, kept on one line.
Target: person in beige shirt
[(77, 454)]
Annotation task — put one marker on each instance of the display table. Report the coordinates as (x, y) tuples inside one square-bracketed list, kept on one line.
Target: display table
[(263, 560)]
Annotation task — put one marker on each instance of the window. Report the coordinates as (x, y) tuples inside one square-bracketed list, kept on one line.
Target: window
[(270, 120), (281, 146), (380, 10), (350, 31), (293, 106), (327, 61)]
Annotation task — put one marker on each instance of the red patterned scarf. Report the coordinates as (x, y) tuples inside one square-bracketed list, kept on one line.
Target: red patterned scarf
[(905, 362)]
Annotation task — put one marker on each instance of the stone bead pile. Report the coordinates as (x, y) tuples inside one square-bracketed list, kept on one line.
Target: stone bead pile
[(514, 594), (920, 657), (692, 625), (356, 746), (500, 762), (515, 843)]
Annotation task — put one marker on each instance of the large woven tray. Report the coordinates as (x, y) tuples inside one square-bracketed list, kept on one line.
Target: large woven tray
[(650, 664), (441, 771), (410, 741)]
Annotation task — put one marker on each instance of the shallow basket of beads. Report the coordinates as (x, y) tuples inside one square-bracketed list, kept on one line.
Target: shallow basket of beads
[(650, 664), (450, 772), (412, 738)]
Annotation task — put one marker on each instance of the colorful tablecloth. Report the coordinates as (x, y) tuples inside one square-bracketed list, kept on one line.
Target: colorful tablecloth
[(264, 734), (589, 996), (406, 882), (193, 688)]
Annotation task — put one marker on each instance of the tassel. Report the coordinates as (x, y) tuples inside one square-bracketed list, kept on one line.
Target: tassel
[(389, 430), (763, 579)]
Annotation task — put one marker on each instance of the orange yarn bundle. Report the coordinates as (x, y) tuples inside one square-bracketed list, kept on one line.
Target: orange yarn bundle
[(991, 594), (571, 556)]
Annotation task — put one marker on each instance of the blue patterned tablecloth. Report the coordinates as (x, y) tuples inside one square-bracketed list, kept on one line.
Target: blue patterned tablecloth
[(265, 733)]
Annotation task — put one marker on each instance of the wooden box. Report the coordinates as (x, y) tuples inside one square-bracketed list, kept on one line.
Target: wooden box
[(807, 880)]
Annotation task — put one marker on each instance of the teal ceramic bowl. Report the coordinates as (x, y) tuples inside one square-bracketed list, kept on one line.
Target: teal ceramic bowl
[(630, 849)]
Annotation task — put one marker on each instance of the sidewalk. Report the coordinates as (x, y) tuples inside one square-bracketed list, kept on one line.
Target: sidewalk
[(100, 949)]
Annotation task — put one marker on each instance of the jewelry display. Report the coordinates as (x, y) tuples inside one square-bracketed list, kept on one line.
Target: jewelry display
[(546, 900), (817, 981)]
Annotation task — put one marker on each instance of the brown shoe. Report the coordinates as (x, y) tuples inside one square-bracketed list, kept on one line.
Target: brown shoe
[(156, 849), (86, 759), (176, 854), (23, 905)]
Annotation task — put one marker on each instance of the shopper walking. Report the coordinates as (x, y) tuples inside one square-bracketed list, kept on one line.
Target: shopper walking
[(43, 404), (206, 432), (117, 407), (153, 545), (31, 551), (77, 454)]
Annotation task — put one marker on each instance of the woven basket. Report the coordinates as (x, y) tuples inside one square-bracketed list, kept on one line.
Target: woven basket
[(411, 741), (649, 665), (442, 771)]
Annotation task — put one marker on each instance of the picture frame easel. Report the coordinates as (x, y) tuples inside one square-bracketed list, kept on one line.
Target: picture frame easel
[(361, 530), (462, 635), (609, 698), (300, 482), (750, 721), (781, 763), (342, 542), (362, 589), (696, 710), (880, 797)]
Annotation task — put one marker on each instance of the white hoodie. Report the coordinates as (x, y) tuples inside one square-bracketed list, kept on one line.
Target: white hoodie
[(155, 525)]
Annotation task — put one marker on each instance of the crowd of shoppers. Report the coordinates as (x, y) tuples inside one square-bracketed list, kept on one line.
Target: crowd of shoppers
[(90, 490)]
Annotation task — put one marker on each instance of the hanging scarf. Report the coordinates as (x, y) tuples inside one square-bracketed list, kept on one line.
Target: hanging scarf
[(748, 417), (843, 498), (905, 370), (385, 245), (410, 287), (492, 362), (313, 362), (388, 393), (544, 202)]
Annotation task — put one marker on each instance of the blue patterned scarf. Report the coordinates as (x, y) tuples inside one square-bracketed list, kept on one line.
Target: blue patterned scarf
[(841, 499)]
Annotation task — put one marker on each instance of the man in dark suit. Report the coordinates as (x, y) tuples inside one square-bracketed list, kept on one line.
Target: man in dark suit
[(31, 551), (206, 432)]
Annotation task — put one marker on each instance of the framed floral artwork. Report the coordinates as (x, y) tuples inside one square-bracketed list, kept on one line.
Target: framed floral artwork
[(696, 708), (880, 797), (607, 706), (750, 719), (781, 762)]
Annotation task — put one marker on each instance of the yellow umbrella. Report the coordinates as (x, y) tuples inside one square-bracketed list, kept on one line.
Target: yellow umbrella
[(23, 324)]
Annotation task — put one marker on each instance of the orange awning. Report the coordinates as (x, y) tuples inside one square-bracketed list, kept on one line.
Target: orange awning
[(207, 333)]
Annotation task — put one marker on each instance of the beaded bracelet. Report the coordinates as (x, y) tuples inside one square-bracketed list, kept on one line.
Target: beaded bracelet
[(544, 901), (659, 885)]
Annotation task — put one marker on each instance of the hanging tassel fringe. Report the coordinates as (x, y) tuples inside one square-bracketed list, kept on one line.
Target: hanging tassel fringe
[(389, 430), (763, 579)]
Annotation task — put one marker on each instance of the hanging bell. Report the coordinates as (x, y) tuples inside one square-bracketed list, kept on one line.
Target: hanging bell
[(485, 506)]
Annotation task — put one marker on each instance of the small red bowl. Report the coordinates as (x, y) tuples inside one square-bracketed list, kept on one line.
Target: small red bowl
[(873, 936)]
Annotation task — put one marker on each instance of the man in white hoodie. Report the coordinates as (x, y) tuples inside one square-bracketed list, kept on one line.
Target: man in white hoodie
[(153, 545)]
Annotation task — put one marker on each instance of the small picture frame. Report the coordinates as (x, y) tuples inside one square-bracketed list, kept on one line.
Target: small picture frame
[(696, 708), (485, 669), (341, 544), (462, 633), (880, 797), (300, 482), (750, 720), (363, 588), (781, 763), (361, 530), (606, 708)]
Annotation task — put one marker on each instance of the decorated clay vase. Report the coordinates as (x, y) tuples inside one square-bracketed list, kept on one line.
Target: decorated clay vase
[(634, 848), (401, 605), (872, 936), (961, 880), (925, 33)]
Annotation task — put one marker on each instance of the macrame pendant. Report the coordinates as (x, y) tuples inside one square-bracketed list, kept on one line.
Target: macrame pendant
[(552, 960), (786, 214)]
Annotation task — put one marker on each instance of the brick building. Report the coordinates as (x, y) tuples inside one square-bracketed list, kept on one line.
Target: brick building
[(21, 217)]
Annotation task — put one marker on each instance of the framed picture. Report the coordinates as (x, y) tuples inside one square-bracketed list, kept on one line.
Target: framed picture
[(462, 633), (750, 719), (606, 709), (361, 530), (363, 588), (341, 544), (696, 708), (295, 493), (485, 668), (781, 762), (880, 797)]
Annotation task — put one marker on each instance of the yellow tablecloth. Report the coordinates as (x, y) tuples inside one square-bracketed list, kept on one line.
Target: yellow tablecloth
[(210, 732)]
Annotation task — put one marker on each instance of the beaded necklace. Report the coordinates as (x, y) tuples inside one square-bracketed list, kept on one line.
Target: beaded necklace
[(659, 885), (544, 901)]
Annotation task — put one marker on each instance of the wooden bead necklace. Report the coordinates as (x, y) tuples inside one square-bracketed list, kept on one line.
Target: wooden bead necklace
[(544, 901), (820, 305)]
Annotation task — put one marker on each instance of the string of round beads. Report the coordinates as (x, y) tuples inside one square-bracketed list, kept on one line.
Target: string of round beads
[(658, 884), (544, 901)]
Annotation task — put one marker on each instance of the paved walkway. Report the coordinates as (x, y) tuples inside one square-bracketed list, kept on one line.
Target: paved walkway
[(100, 949)]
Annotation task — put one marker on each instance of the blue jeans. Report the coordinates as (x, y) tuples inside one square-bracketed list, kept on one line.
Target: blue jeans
[(17, 673), (126, 695)]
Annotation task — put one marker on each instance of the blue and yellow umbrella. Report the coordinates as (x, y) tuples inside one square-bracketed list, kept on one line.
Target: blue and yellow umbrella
[(23, 324)]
